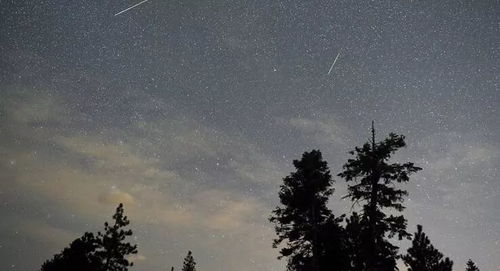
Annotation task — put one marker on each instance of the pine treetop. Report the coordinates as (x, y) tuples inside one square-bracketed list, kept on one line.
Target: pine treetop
[(189, 263), (422, 256), (114, 250), (471, 266)]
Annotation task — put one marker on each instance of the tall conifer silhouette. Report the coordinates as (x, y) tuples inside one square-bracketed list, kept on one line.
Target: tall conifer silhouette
[(114, 250), (302, 221), (373, 181)]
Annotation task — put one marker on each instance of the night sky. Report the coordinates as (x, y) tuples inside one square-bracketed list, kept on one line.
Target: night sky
[(191, 112)]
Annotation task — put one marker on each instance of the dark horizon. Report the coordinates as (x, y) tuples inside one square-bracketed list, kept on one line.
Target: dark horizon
[(190, 113)]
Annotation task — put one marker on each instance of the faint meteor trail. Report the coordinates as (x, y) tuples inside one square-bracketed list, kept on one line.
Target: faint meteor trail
[(333, 64), (127, 9)]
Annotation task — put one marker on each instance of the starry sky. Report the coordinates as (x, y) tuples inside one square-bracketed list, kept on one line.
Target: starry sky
[(191, 112)]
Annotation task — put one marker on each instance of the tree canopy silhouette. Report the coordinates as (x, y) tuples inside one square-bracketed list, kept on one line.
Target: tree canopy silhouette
[(354, 229), (422, 256), (303, 222), (113, 249), (372, 180), (79, 256), (189, 263), (105, 252)]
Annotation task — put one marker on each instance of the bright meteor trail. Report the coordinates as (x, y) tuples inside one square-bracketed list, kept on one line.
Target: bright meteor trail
[(333, 64), (127, 9)]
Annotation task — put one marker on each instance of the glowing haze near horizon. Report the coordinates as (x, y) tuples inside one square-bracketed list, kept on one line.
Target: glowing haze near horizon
[(191, 112)]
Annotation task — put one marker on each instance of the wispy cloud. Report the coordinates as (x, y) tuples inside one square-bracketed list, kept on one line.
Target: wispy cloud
[(158, 169)]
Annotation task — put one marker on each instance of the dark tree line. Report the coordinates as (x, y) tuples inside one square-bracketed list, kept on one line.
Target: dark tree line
[(106, 251), (312, 238)]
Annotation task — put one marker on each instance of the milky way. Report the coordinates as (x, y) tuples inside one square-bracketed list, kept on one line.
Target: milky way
[(191, 112)]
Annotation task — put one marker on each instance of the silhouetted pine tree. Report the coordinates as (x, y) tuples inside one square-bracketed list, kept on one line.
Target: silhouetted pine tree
[(79, 256), (374, 183), (113, 249), (422, 256), (189, 263), (310, 233), (471, 266)]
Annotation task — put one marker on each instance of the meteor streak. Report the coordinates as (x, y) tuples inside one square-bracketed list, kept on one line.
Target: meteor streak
[(127, 9), (333, 64)]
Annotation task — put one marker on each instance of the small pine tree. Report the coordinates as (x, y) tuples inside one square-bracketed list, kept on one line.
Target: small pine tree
[(471, 266), (189, 263), (422, 256), (113, 248)]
